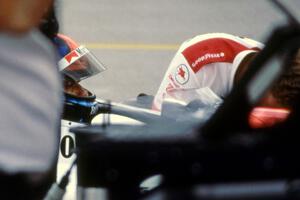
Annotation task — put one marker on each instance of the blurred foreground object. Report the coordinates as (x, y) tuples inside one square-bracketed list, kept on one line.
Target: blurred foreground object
[(30, 88), (17, 16)]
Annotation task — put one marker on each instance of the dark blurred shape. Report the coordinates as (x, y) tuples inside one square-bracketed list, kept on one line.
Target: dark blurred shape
[(49, 24)]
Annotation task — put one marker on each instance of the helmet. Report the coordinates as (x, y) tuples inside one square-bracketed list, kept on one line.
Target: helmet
[(77, 63), (79, 103)]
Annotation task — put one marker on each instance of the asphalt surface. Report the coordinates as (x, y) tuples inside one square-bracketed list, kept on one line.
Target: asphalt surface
[(136, 39)]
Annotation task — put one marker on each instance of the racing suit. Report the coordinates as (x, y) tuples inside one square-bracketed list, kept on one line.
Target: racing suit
[(205, 61)]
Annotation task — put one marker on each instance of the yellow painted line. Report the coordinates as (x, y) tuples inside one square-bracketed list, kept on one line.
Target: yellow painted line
[(116, 46)]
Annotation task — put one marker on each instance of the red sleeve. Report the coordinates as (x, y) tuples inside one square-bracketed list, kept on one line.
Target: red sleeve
[(211, 51)]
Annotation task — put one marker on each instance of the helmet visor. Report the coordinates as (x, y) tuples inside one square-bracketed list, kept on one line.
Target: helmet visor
[(80, 64)]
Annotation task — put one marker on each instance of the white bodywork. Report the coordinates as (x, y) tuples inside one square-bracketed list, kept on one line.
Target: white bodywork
[(66, 157)]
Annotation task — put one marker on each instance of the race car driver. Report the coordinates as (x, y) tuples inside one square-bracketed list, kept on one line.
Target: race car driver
[(209, 60), (217, 61)]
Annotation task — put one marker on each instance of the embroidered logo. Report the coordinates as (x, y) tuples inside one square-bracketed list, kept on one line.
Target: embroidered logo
[(207, 56), (182, 74)]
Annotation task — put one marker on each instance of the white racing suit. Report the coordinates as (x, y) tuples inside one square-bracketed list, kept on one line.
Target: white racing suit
[(205, 61)]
